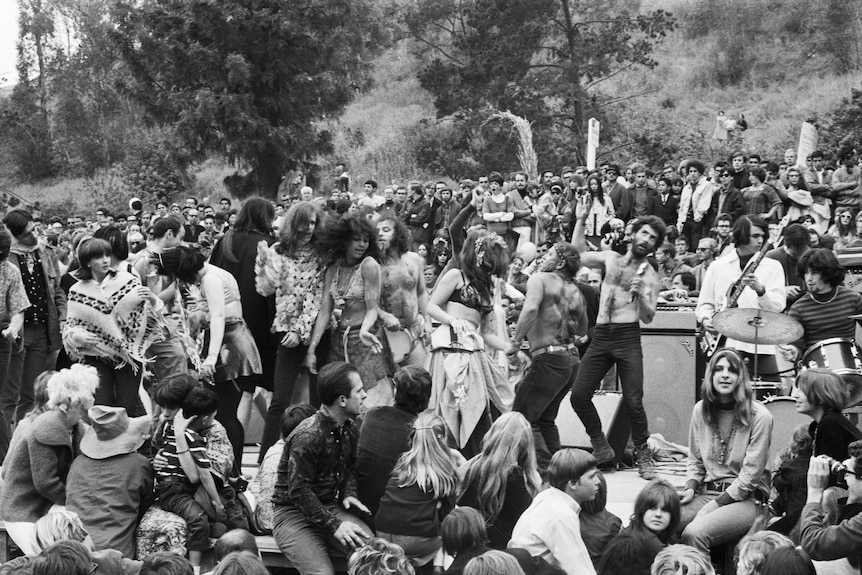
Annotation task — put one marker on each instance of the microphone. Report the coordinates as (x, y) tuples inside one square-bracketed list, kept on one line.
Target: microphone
[(640, 272)]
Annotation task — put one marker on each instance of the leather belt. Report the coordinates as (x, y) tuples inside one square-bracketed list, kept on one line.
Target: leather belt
[(552, 349), (718, 486)]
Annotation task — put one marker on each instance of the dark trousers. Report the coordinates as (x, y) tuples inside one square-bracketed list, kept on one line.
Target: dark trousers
[(179, 497), (620, 345), (118, 387), (288, 368), (539, 395), (5, 428), (29, 358), (229, 395)]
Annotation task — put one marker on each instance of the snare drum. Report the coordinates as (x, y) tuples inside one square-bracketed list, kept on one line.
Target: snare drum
[(836, 354), (785, 419)]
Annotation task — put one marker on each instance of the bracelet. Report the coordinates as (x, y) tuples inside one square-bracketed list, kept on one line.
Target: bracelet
[(183, 451)]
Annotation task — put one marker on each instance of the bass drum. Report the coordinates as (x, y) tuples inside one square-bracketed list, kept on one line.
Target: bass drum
[(785, 420), (841, 356)]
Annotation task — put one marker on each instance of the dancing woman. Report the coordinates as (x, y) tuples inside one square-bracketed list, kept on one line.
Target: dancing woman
[(293, 271), (351, 300), (231, 354), (466, 380), (729, 440)]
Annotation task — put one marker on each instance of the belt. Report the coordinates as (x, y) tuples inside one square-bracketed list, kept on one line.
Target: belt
[(718, 486), (552, 349)]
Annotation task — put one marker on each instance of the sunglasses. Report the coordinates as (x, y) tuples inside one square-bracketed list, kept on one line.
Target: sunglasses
[(843, 472)]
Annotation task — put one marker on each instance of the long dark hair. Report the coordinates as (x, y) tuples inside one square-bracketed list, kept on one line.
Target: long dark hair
[(182, 262), (117, 239), (335, 235), (657, 494), (256, 215), (598, 194), (484, 256)]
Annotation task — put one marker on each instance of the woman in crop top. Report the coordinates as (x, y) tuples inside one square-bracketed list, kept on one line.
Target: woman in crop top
[(351, 299), (231, 353), (466, 380)]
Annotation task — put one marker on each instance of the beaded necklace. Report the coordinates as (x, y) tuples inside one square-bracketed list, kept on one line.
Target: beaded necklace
[(723, 443)]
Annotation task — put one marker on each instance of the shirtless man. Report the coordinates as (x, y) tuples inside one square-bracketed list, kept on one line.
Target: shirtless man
[(553, 316), (629, 296), (403, 296)]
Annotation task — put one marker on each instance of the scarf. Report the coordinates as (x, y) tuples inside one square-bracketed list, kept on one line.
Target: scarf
[(124, 325)]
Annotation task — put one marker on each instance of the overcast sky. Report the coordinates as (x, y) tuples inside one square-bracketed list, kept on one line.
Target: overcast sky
[(8, 34)]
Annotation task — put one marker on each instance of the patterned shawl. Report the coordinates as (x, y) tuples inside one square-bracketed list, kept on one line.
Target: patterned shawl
[(125, 326)]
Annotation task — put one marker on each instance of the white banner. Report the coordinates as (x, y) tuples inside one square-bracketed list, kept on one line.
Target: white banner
[(593, 129), (807, 143)]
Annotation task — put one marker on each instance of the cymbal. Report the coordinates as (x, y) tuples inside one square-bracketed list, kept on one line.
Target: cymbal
[(769, 327)]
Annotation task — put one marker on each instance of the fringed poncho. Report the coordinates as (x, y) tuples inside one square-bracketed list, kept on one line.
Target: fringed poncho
[(112, 311)]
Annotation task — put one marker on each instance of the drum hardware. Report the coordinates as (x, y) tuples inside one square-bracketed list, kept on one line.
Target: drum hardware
[(757, 326), (840, 356)]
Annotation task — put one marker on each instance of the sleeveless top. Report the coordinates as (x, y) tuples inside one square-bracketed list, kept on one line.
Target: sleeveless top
[(355, 289), (468, 296), (229, 286)]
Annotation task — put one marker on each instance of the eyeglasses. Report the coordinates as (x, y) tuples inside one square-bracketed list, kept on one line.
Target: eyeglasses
[(843, 472)]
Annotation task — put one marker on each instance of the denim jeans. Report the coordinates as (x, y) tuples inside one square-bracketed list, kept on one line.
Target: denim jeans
[(288, 367), (726, 523), (620, 345), (29, 358), (118, 387), (539, 395), (307, 546), (179, 497)]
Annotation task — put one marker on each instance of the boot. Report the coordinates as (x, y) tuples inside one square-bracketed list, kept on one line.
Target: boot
[(645, 457), (602, 450)]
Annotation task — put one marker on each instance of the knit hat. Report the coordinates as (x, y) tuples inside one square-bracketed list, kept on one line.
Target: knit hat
[(17, 221)]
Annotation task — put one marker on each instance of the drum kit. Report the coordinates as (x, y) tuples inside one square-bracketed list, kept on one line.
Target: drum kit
[(760, 327)]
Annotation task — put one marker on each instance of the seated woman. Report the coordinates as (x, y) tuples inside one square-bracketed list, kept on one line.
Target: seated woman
[(42, 453), (821, 540), (598, 525), (502, 480), (656, 515), (729, 441), (351, 299)]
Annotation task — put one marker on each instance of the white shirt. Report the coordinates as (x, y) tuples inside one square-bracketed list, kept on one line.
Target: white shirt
[(723, 273), (551, 529)]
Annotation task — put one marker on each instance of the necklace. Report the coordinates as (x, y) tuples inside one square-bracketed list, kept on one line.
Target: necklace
[(830, 300), (723, 442)]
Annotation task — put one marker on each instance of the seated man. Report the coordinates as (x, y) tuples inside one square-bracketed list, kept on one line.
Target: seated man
[(315, 492), (550, 527), (824, 542)]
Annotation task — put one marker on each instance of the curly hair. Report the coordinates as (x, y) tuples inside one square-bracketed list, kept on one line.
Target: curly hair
[(753, 549), (295, 221), (676, 559), (74, 386), (335, 235), (378, 557)]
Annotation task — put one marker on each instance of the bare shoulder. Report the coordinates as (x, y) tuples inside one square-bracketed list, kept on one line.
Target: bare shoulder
[(605, 258)]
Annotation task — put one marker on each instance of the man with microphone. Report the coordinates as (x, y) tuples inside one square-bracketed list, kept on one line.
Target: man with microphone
[(629, 296)]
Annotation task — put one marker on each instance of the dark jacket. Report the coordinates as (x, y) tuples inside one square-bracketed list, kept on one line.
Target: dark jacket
[(734, 204), (110, 496), (236, 252), (56, 297), (623, 201), (419, 218), (383, 437), (667, 212), (36, 467)]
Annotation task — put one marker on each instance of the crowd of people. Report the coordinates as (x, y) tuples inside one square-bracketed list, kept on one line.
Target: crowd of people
[(409, 350)]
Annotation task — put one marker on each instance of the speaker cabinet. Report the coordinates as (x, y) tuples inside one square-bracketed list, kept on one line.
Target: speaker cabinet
[(670, 382), (572, 432)]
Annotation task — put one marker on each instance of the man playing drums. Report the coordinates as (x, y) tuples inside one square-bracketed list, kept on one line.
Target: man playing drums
[(825, 314)]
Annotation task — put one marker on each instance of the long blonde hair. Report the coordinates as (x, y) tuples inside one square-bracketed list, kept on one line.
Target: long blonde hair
[(428, 463), (743, 394), (507, 445)]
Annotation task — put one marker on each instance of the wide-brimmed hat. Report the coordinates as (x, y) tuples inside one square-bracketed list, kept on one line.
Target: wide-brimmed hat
[(801, 197), (113, 432)]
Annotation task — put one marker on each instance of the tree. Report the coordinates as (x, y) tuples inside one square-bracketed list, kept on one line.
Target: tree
[(247, 79), (544, 60)]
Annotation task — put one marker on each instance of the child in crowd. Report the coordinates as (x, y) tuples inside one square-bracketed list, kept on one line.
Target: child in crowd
[(187, 467), (656, 515), (421, 491)]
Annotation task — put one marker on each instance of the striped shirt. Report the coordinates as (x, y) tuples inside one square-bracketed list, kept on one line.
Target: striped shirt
[(827, 318), (165, 440)]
